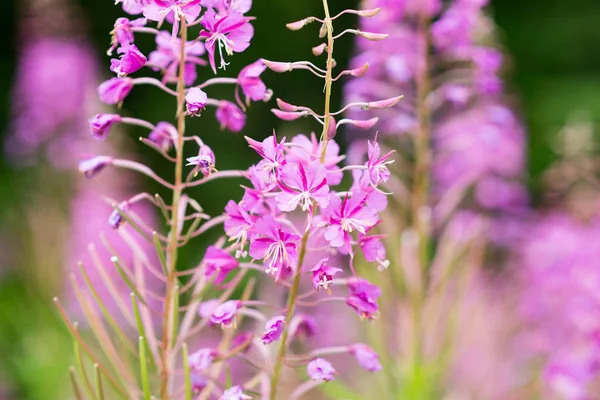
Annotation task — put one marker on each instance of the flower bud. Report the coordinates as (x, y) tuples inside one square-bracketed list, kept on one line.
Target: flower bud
[(115, 220), (320, 369), (373, 36), (277, 66), (323, 31), (288, 116), (114, 90), (273, 329), (195, 100), (296, 26), (362, 124), (286, 106), (318, 50), (368, 13), (360, 71), (384, 103), (90, 167), (223, 314), (100, 124), (331, 128), (366, 357)]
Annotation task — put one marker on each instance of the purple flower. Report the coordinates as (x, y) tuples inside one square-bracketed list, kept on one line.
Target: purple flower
[(234, 393), (373, 250), (276, 245), (363, 297), (376, 165), (231, 33), (320, 369), (114, 90), (218, 262), (204, 162), (164, 135), (195, 100), (366, 357), (346, 216), (272, 154), (90, 167), (230, 116), (322, 275), (131, 6), (202, 359), (306, 326), (311, 149), (223, 314), (158, 10), (302, 184), (238, 226), (224, 7), (273, 329), (131, 60), (100, 124), (167, 58), (122, 34), (115, 220), (249, 80)]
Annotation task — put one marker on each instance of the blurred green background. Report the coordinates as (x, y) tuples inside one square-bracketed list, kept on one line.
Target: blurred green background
[(554, 70)]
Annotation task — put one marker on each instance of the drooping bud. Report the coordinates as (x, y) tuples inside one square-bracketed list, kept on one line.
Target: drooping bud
[(360, 71), (318, 50), (115, 220), (114, 90), (296, 26), (195, 100), (320, 369), (361, 124), (286, 106), (277, 66), (100, 124), (288, 116), (368, 13), (323, 31), (392, 101), (373, 36), (331, 128), (366, 357), (90, 167), (273, 329)]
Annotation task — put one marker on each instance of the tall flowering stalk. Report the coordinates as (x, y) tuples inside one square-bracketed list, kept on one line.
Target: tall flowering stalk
[(460, 158), (293, 176)]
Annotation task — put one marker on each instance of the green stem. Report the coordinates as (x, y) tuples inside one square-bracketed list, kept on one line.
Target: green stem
[(328, 80), (172, 247)]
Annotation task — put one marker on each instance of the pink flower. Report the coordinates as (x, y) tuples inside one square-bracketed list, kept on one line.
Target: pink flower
[(255, 199), (366, 357), (363, 297), (234, 393), (218, 262), (249, 80), (346, 216), (100, 124), (158, 10), (195, 100), (223, 314), (272, 154), (91, 167), (164, 135), (306, 326), (311, 150), (376, 165), (230, 116), (204, 162), (202, 359), (114, 90), (373, 250), (131, 60), (275, 245), (273, 329), (361, 183), (224, 7), (320, 369), (132, 6), (167, 57), (301, 184), (231, 33), (238, 226), (322, 275)]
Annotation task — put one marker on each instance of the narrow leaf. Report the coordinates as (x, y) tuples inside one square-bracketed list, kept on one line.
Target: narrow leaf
[(99, 388), (128, 281), (175, 327), (73, 376), (186, 369), (163, 207), (144, 368), (161, 254), (140, 324), (132, 222), (81, 367)]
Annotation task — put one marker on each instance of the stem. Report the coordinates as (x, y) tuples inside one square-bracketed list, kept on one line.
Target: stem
[(291, 307), (172, 246), (421, 183), (328, 80)]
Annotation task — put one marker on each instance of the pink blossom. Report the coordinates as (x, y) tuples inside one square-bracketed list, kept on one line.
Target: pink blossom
[(230, 116), (373, 250), (346, 216), (223, 314), (131, 60), (202, 359), (302, 184), (322, 275), (361, 183), (366, 357), (276, 245), (158, 10), (320, 369), (249, 80), (238, 226), (122, 34), (377, 164), (363, 297), (218, 262), (231, 32), (167, 58), (164, 135), (234, 393), (100, 124), (114, 90), (92, 166), (273, 329), (307, 326), (310, 149), (224, 7), (204, 162), (132, 7), (115, 220), (255, 199), (272, 154), (195, 100)]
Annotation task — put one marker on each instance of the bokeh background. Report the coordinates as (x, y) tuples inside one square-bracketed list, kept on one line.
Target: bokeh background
[(553, 74)]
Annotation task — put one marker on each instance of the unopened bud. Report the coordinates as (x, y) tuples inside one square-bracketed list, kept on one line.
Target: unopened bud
[(318, 50), (360, 71), (296, 26), (331, 128), (383, 103), (323, 31), (373, 36), (368, 13), (287, 115), (364, 124), (277, 66), (286, 106)]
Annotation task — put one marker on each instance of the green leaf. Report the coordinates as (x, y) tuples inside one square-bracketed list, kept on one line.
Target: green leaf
[(144, 368), (186, 369)]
